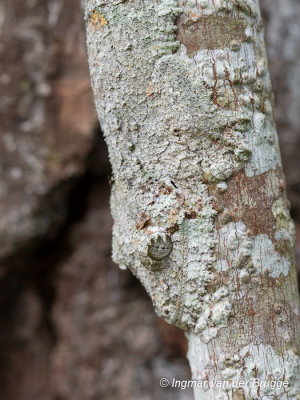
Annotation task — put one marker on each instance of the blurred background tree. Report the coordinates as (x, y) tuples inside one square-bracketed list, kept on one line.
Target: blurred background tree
[(72, 326)]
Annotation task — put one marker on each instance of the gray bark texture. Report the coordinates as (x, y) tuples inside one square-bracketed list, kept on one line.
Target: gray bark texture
[(184, 98), (72, 325)]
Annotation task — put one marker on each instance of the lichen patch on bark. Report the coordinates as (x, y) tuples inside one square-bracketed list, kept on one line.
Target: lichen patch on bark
[(97, 20)]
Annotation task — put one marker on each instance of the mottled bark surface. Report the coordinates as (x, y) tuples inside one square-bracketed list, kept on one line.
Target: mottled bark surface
[(183, 94), (55, 305)]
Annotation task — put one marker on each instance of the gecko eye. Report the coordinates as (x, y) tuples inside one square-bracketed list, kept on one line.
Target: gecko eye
[(160, 248)]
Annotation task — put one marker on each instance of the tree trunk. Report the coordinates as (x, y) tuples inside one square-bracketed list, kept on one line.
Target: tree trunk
[(200, 212)]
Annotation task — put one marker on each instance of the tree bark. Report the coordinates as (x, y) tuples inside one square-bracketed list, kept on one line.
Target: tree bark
[(183, 95)]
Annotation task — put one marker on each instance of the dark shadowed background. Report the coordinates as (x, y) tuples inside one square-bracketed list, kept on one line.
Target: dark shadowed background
[(72, 325)]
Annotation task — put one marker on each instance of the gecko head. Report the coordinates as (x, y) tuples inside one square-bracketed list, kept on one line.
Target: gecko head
[(159, 266), (155, 249)]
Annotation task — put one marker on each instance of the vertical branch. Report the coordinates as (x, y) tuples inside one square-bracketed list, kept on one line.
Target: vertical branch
[(200, 212)]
